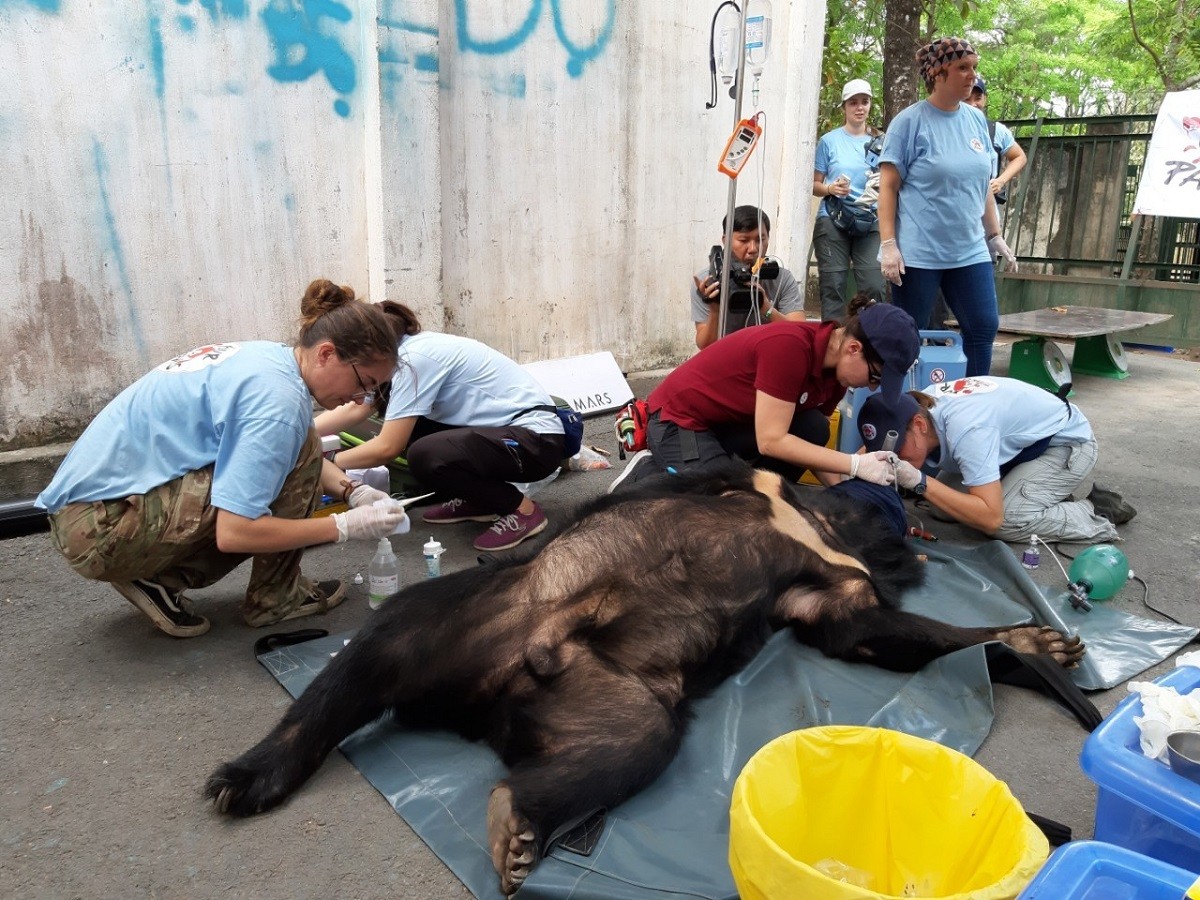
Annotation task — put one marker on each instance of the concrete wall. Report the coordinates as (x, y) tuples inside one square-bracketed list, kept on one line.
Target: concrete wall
[(534, 173)]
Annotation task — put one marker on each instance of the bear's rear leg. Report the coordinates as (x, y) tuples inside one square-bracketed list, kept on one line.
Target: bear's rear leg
[(511, 838), (586, 740)]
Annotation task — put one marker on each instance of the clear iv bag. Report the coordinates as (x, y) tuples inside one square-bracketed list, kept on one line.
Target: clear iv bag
[(758, 35)]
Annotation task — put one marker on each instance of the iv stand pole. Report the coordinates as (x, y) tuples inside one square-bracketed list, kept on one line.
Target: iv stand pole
[(727, 258)]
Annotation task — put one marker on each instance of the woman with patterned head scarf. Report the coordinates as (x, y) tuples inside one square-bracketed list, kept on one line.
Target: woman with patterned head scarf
[(938, 225)]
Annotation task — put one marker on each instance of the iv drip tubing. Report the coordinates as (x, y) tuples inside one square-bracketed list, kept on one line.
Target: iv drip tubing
[(723, 309)]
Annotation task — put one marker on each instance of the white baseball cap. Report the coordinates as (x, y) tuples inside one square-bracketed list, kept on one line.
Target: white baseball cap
[(856, 86)]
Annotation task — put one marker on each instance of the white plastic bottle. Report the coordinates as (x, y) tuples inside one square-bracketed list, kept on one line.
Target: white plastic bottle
[(383, 574), (433, 551)]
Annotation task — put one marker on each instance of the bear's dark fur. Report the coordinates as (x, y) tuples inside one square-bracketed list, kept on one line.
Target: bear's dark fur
[(578, 663)]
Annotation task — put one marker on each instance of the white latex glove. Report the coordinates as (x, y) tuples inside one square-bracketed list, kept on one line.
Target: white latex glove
[(873, 467), (890, 261), (997, 247), (368, 522), (365, 495), (387, 504), (907, 476)]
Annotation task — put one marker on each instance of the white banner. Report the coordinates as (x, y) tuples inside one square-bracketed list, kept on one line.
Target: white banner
[(1170, 184)]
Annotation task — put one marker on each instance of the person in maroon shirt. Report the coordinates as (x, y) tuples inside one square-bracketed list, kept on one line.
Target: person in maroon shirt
[(766, 394)]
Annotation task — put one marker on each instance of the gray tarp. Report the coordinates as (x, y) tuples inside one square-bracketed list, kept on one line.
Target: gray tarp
[(671, 840)]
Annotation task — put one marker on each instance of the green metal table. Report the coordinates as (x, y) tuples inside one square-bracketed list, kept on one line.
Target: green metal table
[(1040, 361)]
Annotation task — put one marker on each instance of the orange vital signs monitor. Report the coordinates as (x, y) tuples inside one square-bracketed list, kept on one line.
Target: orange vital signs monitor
[(741, 144)]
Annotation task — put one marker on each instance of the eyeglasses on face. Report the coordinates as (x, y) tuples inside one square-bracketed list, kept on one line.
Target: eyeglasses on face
[(874, 375), (366, 395)]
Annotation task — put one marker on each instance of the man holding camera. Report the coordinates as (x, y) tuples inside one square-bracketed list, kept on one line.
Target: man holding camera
[(773, 295)]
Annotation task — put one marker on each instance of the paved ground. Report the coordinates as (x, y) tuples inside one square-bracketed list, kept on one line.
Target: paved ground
[(109, 728)]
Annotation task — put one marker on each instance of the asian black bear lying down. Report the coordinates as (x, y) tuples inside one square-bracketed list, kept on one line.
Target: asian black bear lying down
[(578, 664)]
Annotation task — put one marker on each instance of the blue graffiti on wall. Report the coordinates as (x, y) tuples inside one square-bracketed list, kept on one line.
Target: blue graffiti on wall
[(44, 5), (216, 9), (302, 48), (157, 61), (578, 55), (304, 39), (232, 9), (100, 164)]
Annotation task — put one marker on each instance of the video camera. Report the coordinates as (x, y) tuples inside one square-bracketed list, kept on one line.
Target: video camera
[(739, 272), (873, 150)]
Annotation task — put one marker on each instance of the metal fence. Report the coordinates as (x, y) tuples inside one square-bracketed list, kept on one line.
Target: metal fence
[(1072, 211)]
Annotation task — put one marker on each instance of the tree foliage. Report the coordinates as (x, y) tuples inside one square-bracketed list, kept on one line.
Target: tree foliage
[(1040, 57), (1166, 31)]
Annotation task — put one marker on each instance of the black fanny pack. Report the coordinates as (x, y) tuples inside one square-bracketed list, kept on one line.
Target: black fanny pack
[(851, 218)]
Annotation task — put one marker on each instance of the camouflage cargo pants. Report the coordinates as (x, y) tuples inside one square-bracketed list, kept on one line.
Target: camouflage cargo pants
[(169, 535)]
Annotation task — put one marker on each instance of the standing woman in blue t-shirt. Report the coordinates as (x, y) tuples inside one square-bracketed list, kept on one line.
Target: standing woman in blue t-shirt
[(937, 217), (211, 459), (841, 171)]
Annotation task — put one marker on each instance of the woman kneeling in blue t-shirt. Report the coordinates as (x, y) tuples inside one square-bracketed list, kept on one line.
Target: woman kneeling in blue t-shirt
[(469, 421), (212, 458)]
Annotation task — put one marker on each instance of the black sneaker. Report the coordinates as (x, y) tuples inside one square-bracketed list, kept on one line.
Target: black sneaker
[(322, 597), (1110, 505), (630, 474), (169, 610)]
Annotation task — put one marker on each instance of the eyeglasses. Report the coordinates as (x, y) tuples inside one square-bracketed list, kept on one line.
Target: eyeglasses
[(874, 376), (366, 395)]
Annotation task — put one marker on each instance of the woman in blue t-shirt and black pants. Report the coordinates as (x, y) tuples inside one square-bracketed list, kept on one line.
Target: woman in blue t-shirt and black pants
[(938, 226), (841, 171)]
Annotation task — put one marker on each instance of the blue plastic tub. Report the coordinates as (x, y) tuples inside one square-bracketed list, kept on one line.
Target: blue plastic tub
[(1091, 870), (1140, 803)]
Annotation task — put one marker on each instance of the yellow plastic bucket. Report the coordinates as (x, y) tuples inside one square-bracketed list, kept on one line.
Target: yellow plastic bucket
[(845, 812)]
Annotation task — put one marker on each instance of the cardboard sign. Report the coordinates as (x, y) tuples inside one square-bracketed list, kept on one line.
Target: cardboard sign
[(591, 384)]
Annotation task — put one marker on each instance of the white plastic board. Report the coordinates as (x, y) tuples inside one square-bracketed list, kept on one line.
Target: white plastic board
[(592, 383)]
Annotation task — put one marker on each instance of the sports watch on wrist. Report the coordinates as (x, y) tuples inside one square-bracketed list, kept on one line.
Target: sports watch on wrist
[(919, 487)]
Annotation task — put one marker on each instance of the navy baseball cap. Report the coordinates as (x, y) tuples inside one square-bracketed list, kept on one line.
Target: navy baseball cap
[(893, 336), (877, 418), (980, 85)]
